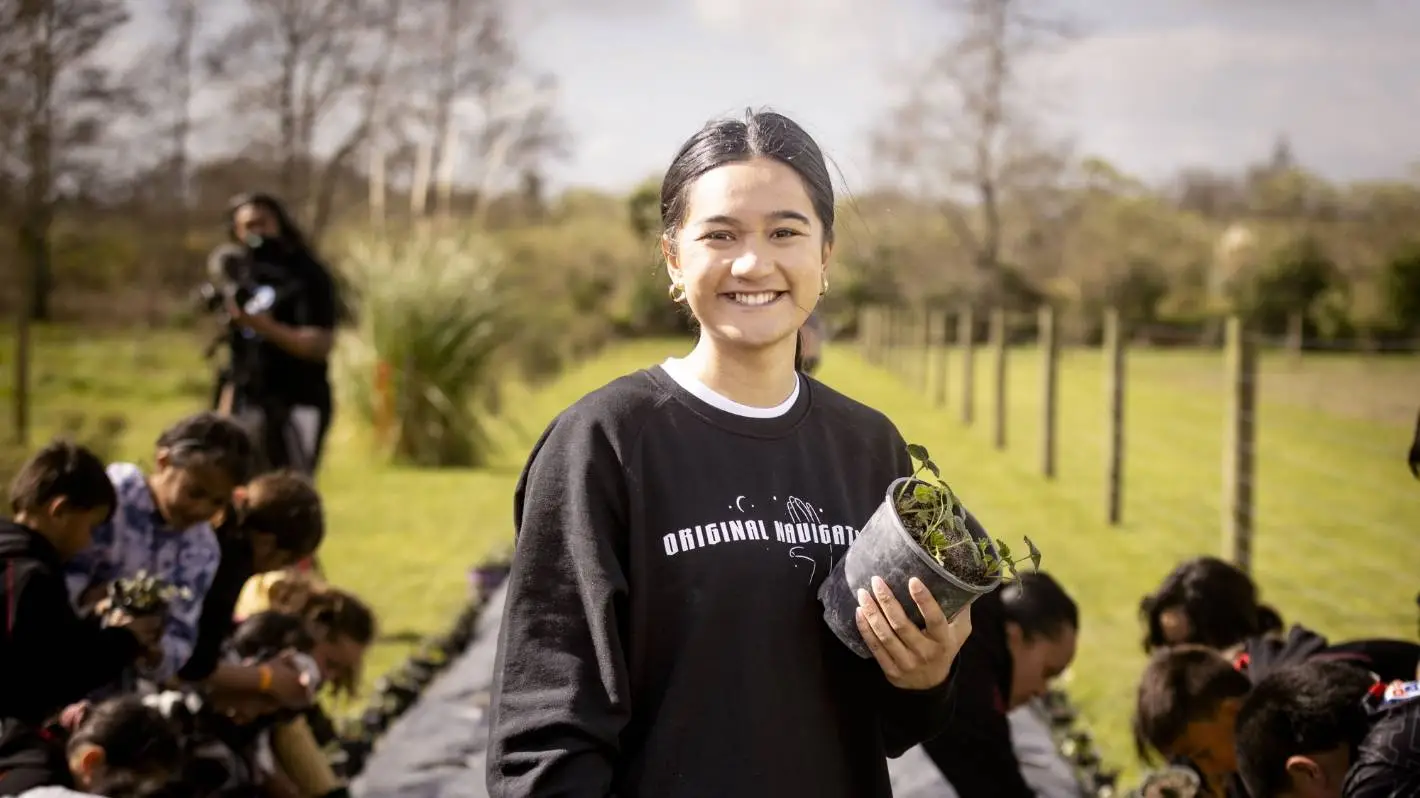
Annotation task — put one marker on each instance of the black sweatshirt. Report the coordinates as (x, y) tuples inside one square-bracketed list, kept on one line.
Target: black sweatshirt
[(49, 657), (662, 636)]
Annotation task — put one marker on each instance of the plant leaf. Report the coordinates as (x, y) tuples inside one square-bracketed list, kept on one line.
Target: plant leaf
[(1034, 554), (916, 452)]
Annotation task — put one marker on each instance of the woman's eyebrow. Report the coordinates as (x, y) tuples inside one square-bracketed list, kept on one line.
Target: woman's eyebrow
[(794, 216)]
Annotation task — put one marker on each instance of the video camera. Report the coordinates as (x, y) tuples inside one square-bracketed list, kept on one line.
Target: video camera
[(234, 276)]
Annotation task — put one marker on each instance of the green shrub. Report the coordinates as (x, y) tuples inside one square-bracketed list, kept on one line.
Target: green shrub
[(424, 358)]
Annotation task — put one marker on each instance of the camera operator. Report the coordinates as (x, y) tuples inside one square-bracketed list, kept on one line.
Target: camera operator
[(286, 346)]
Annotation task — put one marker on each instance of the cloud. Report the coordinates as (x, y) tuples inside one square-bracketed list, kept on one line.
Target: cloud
[(813, 33), (1345, 97)]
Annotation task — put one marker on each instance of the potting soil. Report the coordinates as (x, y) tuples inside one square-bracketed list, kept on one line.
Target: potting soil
[(963, 561)]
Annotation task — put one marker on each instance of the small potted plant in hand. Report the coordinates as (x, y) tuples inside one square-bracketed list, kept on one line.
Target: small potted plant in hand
[(921, 529), (143, 595)]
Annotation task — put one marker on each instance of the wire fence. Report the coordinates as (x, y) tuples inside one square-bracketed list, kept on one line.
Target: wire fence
[(1290, 464)]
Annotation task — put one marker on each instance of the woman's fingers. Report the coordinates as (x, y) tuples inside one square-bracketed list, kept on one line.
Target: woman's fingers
[(900, 638), (875, 644), (936, 621)]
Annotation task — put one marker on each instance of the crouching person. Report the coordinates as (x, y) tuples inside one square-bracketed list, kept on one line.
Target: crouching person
[(49, 657), (162, 526), (1186, 705), (1329, 730), (273, 523), (119, 749), (1023, 637)]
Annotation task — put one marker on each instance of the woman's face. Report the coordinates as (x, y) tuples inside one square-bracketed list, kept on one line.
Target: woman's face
[(267, 556), (750, 254), (253, 219), (1037, 661), (189, 494), (339, 658)]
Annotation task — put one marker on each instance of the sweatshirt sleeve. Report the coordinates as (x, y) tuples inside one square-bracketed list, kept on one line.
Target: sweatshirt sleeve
[(561, 689), (911, 716)]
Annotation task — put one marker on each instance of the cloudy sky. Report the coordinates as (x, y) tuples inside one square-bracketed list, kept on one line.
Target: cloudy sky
[(1152, 85)]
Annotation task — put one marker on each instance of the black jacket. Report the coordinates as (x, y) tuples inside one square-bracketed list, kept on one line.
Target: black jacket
[(49, 657), (974, 752), (219, 606), (1388, 659), (32, 757)]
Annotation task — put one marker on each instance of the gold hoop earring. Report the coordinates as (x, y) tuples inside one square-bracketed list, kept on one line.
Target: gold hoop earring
[(824, 289), (677, 292)]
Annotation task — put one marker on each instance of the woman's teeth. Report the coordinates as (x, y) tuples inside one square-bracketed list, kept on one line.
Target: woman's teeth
[(759, 298)]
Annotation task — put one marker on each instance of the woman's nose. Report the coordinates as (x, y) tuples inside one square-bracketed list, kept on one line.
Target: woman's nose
[(750, 263)]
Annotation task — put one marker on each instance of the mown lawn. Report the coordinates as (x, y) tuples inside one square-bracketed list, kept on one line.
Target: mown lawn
[(1335, 502)]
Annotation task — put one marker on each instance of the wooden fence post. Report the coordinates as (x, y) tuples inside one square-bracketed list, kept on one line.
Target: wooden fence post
[(1114, 389), (998, 346), (1239, 466), (1049, 368), (966, 339), (879, 335), (925, 338), (24, 346), (943, 350), (865, 331), (894, 357)]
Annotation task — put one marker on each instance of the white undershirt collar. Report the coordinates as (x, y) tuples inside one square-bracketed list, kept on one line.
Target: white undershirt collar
[(679, 370)]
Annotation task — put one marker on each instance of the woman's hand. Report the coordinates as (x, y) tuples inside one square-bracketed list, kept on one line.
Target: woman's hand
[(259, 323), (911, 658), (288, 686)]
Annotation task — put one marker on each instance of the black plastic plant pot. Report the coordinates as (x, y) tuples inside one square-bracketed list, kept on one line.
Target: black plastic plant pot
[(885, 548)]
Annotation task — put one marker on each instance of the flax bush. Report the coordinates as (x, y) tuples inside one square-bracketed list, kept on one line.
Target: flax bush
[(434, 319)]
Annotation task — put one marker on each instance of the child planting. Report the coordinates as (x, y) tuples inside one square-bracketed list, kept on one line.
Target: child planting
[(162, 527), (120, 747), (1187, 704), (48, 655), (273, 523)]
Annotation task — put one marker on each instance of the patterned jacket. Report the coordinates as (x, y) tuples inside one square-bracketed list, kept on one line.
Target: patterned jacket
[(138, 539)]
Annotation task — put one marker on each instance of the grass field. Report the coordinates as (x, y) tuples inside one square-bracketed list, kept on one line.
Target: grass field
[(1335, 502)]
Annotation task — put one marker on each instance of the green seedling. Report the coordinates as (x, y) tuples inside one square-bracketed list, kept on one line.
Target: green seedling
[(930, 510)]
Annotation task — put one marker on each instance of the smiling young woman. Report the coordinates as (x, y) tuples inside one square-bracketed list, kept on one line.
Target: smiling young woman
[(661, 633)]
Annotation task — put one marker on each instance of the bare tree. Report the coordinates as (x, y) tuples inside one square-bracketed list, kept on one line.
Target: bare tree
[(476, 72), (62, 96), (180, 62), (56, 96), (967, 132), (297, 67)]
